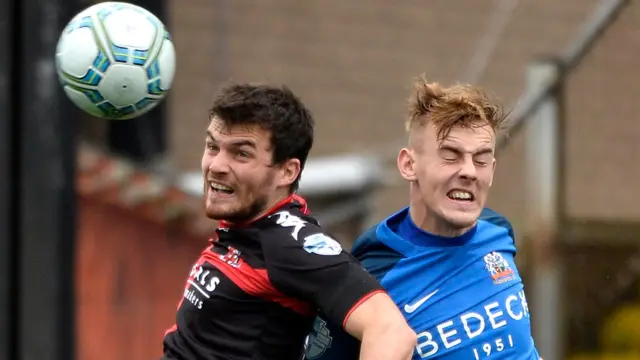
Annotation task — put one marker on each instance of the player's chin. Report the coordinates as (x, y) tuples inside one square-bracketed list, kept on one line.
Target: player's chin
[(462, 218), (217, 211)]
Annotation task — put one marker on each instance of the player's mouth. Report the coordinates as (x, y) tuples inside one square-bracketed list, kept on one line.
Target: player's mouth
[(217, 189), (461, 195)]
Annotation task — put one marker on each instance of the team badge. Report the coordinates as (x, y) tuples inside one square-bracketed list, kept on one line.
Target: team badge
[(498, 268), (232, 257)]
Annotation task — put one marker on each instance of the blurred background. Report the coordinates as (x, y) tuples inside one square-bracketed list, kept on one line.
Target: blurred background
[(100, 220)]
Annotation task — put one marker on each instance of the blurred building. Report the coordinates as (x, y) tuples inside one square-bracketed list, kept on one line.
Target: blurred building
[(353, 63)]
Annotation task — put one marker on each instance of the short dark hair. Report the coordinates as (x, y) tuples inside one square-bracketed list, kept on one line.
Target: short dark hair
[(275, 109)]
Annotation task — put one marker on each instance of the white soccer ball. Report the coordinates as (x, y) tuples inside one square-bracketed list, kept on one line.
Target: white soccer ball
[(116, 60)]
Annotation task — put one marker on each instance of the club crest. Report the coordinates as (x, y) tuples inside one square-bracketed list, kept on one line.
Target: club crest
[(498, 268)]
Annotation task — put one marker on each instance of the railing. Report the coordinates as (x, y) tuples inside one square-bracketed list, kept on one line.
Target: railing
[(603, 16), (541, 109)]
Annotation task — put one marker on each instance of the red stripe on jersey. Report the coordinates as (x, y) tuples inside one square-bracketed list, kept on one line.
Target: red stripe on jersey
[(256, 282), (170, 330), (360, 302), (175, 326)]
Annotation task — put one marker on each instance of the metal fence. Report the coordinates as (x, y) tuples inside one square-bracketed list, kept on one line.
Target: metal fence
[(541, 114)]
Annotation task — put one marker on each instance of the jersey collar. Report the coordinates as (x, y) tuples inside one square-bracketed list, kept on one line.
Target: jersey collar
[(400, 233), (293, 200)]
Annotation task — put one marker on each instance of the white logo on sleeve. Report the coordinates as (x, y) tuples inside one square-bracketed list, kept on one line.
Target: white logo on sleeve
[(321, 244), (413, 307), (285, 219)]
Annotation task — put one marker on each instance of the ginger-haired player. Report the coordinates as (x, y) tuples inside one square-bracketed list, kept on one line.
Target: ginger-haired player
[(445, 259)]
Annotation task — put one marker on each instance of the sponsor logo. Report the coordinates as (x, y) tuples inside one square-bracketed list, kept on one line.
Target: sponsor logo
[(321, 244)]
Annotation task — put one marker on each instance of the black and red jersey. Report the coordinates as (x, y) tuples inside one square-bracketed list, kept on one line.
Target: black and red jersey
[(254, 292)]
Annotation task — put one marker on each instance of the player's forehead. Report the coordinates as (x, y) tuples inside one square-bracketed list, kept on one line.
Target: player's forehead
[(468, 139), (225, 133)]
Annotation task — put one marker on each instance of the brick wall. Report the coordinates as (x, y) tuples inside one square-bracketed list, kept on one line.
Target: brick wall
[(352, 62)]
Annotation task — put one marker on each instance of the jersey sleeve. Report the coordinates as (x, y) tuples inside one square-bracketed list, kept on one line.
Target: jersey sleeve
[(305, 263), (328, 341)]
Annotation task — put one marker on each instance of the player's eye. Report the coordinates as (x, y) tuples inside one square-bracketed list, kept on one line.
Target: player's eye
[(243, 154), (482, 160), (449, 155)]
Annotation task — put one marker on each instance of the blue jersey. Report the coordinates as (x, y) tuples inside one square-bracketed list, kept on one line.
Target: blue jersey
[(462, 296)]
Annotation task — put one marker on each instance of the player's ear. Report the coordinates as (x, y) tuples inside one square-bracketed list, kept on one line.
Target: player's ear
[(289, 172), (493, 171), (406, 164)]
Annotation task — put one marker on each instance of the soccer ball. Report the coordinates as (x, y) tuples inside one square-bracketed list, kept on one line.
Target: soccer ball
[(115, 60)]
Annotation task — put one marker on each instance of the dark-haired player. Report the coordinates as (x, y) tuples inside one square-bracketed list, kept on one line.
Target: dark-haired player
[(446, 261), (255, 290)]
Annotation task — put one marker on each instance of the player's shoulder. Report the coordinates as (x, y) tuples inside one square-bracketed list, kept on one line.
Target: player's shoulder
[(377, 257), (369, 243), (288, 219), (291, 228), (495, 219)]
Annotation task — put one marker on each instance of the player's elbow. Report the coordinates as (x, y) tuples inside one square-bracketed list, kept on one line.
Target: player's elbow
[(405, 337), (388, 339), (382, 329), (394, 331)]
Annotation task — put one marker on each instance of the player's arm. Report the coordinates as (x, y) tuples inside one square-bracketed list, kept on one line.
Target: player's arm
[(314, 268), (382, 329), (331, 342)]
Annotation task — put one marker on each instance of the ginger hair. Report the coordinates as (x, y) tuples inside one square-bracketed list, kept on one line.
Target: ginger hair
[(466, 106)]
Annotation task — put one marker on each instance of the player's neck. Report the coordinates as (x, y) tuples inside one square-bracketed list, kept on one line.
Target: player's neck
[(276, 201), (272, 204), (432, 223)]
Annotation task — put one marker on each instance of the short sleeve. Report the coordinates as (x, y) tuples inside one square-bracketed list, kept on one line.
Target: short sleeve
[(328, 341), (305, 263)]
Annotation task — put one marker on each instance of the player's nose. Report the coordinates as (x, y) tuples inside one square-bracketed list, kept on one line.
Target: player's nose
[(468, 169), (219, 163)]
